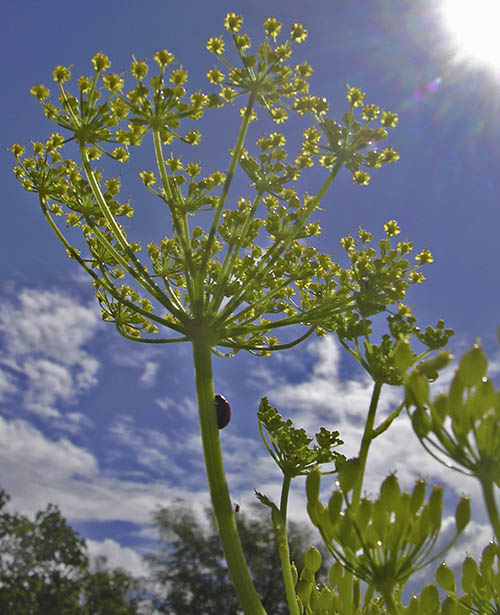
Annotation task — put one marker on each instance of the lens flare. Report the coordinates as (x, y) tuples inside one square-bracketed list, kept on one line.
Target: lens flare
[(475, 27)]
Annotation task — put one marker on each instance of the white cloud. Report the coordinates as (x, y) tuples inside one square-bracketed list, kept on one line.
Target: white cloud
[(7, 385), (34, 468), (44, 338), (37, 470), (117, 556), (148, 377)]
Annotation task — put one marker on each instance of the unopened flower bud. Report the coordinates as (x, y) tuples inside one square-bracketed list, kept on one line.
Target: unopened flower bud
[(312, 559), (335, 574), (390, 493), (436, 507), (430, 367), (313, 483), (413, 606), (472, 366), (348, 473), (429, 599), (488, 555), (462, 514), (445, 577), (469, 574), (449, 606), (325, 599), (335, 506), (403, 355), (421, 423), (417, 389), (304, 590), (418, 495)]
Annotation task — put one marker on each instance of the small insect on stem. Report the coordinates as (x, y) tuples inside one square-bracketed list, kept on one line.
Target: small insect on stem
[(237, 508), (223, 411)]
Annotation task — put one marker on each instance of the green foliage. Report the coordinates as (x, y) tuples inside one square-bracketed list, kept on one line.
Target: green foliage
[(188, 563), (44, 570), (290, 447)]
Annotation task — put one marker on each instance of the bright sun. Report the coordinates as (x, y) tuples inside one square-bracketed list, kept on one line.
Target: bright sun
[(475, 25)]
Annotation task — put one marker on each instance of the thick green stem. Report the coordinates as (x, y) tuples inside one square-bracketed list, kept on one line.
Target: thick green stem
[(390, 603), (365, 442), (282, 539), (491, 506), (221, 502)]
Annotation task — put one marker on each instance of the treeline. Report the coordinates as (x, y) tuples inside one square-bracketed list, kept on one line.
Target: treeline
[(45, 568)]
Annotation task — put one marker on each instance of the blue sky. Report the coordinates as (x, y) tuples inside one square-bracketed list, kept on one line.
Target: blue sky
[(107, 429)]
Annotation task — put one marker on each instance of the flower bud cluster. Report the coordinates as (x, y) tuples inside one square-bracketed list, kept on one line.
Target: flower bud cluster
[(382, 541), (463, 424), (264, 75), (351, 143), (291, 447)]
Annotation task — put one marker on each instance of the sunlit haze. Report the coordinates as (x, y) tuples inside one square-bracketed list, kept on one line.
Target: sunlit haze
[(475, 27)]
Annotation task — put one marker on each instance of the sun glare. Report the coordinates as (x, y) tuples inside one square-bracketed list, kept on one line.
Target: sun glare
[(475, 25)]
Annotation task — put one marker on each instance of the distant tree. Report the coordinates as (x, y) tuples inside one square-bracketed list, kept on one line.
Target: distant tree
[(105, 591), (190, 572), (44, 570)]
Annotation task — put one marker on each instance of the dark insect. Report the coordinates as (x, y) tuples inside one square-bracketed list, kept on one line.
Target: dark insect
[(237, 508), (223, 410)]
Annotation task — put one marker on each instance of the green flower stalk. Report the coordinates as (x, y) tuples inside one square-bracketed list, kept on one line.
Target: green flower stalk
[(252, 271)]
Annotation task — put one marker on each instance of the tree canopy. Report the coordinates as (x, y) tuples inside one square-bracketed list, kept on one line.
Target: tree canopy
[(189, 569), (45, 570)]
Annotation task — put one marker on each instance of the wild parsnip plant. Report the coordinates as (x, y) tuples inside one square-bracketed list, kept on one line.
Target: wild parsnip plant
[(233, 283)]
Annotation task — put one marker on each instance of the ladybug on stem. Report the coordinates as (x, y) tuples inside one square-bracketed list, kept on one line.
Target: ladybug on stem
[(223, 411)]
